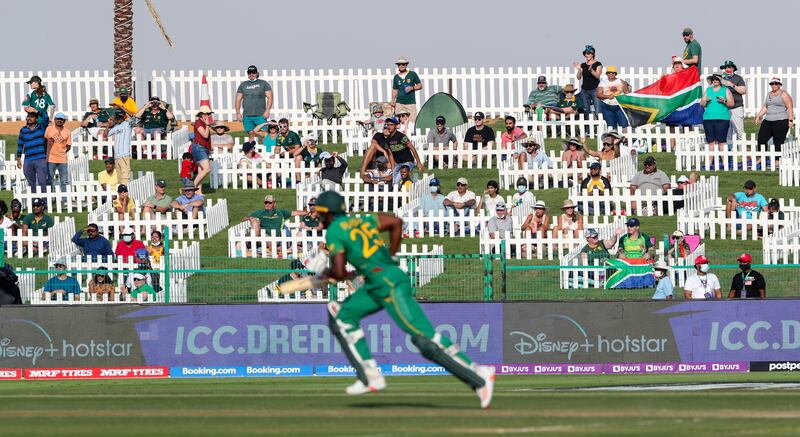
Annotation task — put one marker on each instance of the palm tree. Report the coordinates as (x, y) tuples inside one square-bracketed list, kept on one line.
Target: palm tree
[(123, 40)]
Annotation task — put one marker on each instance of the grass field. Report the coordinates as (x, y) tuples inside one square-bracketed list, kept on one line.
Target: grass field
[(432, 405)]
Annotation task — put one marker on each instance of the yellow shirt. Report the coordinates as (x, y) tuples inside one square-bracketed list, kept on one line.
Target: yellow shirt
[(111, 180), (129, 104), (155, 252), (131, 205)]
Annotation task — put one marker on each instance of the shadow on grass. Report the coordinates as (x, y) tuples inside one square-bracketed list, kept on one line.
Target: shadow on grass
[(375, 406)]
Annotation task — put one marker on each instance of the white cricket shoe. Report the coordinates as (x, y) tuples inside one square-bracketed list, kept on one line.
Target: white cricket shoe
[(376, 384), (485, 393)]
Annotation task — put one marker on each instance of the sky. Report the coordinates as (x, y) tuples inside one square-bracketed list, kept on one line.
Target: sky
[(231, 34)]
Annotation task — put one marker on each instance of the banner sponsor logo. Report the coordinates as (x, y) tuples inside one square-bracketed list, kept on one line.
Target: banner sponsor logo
[(10, 374), (97, 372), (775, 366)]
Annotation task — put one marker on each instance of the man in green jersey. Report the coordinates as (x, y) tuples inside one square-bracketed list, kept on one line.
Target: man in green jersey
[(693, 53), (358, 240)]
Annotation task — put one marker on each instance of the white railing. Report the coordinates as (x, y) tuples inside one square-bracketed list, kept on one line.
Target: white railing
[(79, 196), (361, 197), (274, 172), (742, 155), (782, 247), (715, 225), (142, 146), (619, 171), (789, 173)]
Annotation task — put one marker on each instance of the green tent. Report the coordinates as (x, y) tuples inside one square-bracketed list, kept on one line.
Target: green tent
[(440, 104)]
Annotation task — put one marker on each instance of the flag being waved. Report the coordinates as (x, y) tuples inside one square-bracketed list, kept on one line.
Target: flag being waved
[(673, 99)]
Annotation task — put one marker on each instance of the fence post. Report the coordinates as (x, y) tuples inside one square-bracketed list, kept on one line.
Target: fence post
[(412, 271), (2, 248), (487, 277), (166, 264), (503, 270)]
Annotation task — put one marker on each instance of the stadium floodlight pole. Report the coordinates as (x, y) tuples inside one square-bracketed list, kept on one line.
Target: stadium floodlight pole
[(166, 264)]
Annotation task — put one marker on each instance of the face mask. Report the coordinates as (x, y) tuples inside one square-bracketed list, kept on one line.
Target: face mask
[(744, 267), (521, 189), (434, 189), (659, 274), (156, 243), (704, 268), (127, 238)]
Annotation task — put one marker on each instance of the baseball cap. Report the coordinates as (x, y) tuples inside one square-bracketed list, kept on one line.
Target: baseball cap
[(434, 182), (310, 137), (749, 184), (137, 277), (745, 258), (60, 262), (60, 116), (252, 69), (382, 159), (109, 160), (677, 234), (541, 79), (269, 198), (440, 120), (189, 186), (687, 31), (392, 120), (683, 178), (479, 115), (248, 146), (141, 253), (155, 99), (595, 165), (589, 233), (462, 180), (701, 259), (649, 160), (327, 155), (122, 188), (775, 79), (612, 69), (38, 202), (522, 181), (500, 206), (632, 222), (161, 183), (34, 79)]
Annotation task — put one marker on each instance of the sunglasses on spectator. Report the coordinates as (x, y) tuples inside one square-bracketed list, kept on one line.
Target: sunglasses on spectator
[(478, 118), (460, 185), (267, 202), (774, 83), (632, 226), (283, 126), (650, 164), (402, 63)]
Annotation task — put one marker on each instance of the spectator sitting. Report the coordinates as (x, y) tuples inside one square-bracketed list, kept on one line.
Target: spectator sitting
[(567, 105), (287, 140), (37, 221), (512, 133), (155, 118), (634, 244), (62, 284), (220, 138), (570, 221), (679, 248), (664, 288), (747, 204), (684, 181), (620, 145), (749, 284), (251, 160), (270, 140), (397, 148), (501, 223), (405, 126), (380, 175), (308, 155), (190, 202), (143, 265), (5, 222), (124, 205), (523, 195), (543, 95), (533, 157), (461, 200), (649, 180), (108, 178), (376, 120), (406, 182), (101, 283), (140, 286), (95, 119), (703, 285), (94, 245), (594, 182), (490, 198), (774, 214), (127, 246), (440, 139), (596, 249), (538, 221), (310, 221), (573, 155), (125, 103), (479, 135), (159, 202), (432, 202), (608, 151), (155, 247), (333, 169), (16, 213), (270, 219)]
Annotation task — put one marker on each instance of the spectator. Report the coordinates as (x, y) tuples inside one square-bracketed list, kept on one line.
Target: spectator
[(596, 251), (270, 140), (253, 101), (155, 118), (501, 223), (32, 144), (125, 103), (634, 244), (747, 204), (574, 154), (122, 130), (16, 213), (703, 285), (5, 222), (159, 201), (9, 290), (570, 221), (190, 202), (684, 181), (543, 96), (594, 182), (221, 139), (490, 197), (749, 284), (333, 168), (287, 140), (716, 117), (620, 143), (376, 119), (405, 84), (480, 135), (533, 157), (774, 214), (145, 267), (124, 205), (140, 286), (37, 221), (270, 219), (310, 220), (738, 88), (539, 221), (201, 147), (693, 53), (651, 179), (406, 126), (309, 153), (188, 168), (397, 148), (677, 64), (461, 200), (94, 245), (664, 288), (589, 72), (776, 115), (127, 246), (567, 105), (523, 196), (108, 178), (512, 133), (155, 247), (251, 159), (95, 119), (608, 150), (440, 139), (432, 202), (610, 87), (380, 175), (679, 248), (101, 283), (406, 182), (39, 102), (62, 284), (59, 142)]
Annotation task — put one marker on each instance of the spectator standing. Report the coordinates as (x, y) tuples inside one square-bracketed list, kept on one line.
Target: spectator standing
[(749, 284), (539, 221), (62, 284), (677, 64), (635, 244), (717, 117), (32, 144), (333, 168), (125, 103), (94, 245), (122, 131), (692, 53), (39, 102), (380, 175), (155, 247), (738, 88), (108, 178), (490, 197), (747, 203), (595, 182), (271, 218), (37, 221), (397, 146), (405, 84), (776, 115), (432, 202), (664, 288), (610, 87), (155, 118), (461, 200), (201, 148), (221, 139), (288, 140), (679, 248), (479, 135), (570, 221), (124, 205), (253, 101), (589, 72), (95, 119), (703, 285), (543, 95), (533, 157), (501, 223), (59, 142), (190, 202), (596, 251), (127, 246), (512, 133), (159, 201)]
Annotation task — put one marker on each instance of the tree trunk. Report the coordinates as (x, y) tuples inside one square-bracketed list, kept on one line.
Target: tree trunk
[(123, 44)]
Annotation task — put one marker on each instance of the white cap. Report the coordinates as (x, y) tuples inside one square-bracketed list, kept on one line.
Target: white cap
[(462, 180), (127, 230), (325, 155), (683, 178), (660, 265), (310, 137)]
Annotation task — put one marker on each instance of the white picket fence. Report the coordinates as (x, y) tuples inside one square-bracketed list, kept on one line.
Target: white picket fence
[(275, 172), (789, 172), (441, 156), (177, 295), (142, 146), (742, 155), (715, 225), (293, 243), (361, 197), (13, 177), (564, 126), (35, 244), (782, 247), (560, 175)]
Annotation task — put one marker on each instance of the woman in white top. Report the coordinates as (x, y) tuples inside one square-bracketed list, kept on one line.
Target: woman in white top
[(5, 222), (570, 220), (490, 198), (703, 285), (610, 87)]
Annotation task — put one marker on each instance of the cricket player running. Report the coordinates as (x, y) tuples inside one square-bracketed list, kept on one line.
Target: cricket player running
[(357, 240)]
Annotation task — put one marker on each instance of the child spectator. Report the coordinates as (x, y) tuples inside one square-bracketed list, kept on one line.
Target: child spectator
[(664, 288), (155, 247), (188, 168)]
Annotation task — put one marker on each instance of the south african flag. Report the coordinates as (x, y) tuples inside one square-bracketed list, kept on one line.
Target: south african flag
[(673, 99), (629, 273)]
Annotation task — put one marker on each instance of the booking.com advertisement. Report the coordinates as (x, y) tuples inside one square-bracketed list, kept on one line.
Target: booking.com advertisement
[(286, 340)]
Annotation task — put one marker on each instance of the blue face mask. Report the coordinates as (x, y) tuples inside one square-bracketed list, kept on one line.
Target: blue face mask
[(521, 189), (433, 188)]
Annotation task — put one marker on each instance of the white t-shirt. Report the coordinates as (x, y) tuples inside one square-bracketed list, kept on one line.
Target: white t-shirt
[(702, 287), (457, 198), (490, 203), (6, 223), (607, 84)]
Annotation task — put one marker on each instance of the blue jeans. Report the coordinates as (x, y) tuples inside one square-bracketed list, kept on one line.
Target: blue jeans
[(199, 153), (614, 116), (396, 176), (63, 175), (589, 97), (36, 173)]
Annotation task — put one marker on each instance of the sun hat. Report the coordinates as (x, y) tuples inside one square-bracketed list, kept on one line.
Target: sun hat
[(612, 69), (539, 205), (660, 265), (205, 109), (401, 60), (567, 204), (569, 88)]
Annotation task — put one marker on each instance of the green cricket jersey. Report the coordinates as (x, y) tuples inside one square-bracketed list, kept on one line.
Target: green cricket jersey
[(400, 83), (361, 242)]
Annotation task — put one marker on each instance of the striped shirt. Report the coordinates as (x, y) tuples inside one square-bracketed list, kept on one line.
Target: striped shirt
[(123, 133), (31, 142)]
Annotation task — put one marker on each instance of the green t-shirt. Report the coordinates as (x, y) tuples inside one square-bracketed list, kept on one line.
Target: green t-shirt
[(42, 225), (309, 159), (155, 121), (360, 240), (597, 253), (288, 142), (102, 117), (145, 288), (165, 202), (254, 100), (271, 219), (41, 103), (564, 103), (310, 221), (635, 247), (692, 49), (400, 84)]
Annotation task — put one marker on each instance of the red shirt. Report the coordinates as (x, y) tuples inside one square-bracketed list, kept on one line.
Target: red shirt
[(126, 251), (198, 139), (187, 169)]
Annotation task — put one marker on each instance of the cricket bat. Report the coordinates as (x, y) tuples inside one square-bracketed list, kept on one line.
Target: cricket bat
[(302, 284)]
